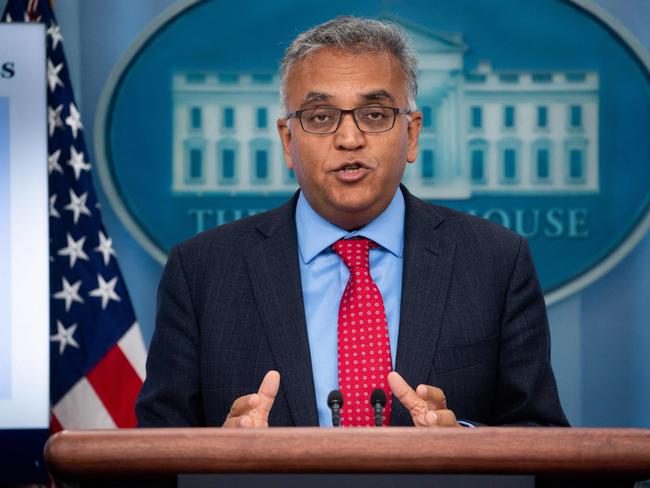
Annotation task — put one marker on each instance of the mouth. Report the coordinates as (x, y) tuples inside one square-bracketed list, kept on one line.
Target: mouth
[(351, 171), (351, 166)]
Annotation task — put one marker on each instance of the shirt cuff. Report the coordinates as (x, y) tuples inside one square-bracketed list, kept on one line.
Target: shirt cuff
[(465, 423)]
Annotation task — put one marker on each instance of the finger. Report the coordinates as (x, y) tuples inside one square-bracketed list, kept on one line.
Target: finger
[(442, 418), (424, 419), (253, 410), (435, 397), (406, 395), (436, 418), (244, 404), (241, 407), (267, 393), (246, 422)]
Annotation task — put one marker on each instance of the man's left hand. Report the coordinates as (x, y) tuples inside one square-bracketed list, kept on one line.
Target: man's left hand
[(426, 404)]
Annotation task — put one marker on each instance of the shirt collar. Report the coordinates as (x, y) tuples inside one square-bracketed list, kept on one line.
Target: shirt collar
[(316, 234)]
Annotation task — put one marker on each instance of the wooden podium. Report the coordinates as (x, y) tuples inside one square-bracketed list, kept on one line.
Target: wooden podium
[(80, 458)]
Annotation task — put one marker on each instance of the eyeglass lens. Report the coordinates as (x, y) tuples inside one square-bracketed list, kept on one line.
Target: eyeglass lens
[(368, 119)]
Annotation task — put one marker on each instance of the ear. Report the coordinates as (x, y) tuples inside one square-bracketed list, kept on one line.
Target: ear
[(414, 128), (284, 130)]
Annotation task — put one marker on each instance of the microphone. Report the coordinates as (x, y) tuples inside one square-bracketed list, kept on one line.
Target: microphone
[(378, 402), (335, 402)]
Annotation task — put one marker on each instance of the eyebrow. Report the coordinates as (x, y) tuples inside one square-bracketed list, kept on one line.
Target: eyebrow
[(313, 97), (373, 96), (378, 95)]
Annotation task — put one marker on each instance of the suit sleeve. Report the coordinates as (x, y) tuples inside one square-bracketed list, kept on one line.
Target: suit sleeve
[(526, 389), (171, 394)]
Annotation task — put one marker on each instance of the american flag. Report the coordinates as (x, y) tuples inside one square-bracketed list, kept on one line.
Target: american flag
[(97, 354)]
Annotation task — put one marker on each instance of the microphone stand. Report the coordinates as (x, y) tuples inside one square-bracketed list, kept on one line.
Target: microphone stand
[(335, 403), (378, 402)]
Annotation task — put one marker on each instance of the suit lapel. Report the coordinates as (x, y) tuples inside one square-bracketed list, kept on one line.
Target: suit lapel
[(275, 275), (428, 260)]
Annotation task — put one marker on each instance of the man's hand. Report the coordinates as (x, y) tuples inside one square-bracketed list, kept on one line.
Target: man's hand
[(253, 410), (427, 404)]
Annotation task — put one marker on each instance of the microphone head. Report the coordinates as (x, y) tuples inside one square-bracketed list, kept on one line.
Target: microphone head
[(335, 397), (378, 396)]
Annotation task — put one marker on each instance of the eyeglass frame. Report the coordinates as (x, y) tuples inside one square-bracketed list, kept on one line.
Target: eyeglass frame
[(396, 111)]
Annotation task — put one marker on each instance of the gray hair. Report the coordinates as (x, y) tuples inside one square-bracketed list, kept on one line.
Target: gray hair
[(357, 35)]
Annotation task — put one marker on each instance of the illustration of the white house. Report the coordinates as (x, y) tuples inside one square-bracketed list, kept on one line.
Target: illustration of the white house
[(485, 131)]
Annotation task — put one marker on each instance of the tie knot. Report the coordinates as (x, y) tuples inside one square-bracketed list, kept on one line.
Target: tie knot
[(354, 252)]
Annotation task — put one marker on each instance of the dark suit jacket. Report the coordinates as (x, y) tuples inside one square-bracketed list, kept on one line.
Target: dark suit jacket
[(230, 308)]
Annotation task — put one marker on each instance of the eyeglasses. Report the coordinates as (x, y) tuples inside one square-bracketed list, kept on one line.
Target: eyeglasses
[(327, 120)]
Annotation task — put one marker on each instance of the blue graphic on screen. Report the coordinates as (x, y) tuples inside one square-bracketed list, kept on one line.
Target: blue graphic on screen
[(5, 298)]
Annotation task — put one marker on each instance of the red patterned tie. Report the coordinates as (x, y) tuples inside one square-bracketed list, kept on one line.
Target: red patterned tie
[(364, 348)]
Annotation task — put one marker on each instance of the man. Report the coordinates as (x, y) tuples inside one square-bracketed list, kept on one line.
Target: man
[(351, 279)]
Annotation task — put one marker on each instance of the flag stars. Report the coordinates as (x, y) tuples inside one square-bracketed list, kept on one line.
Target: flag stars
[(69, 293), (105, 247), (77, 163), (83, 293), (53, 162), (54, 119), (53, 211), (105, 291), (74, 250), (53, 79), (77, 205), (74, 120), (65, 336), (54, 32)]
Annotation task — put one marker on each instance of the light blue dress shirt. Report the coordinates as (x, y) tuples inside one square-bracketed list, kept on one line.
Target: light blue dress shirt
[(324, 277)]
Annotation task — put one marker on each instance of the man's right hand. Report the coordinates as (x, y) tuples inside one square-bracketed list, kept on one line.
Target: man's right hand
[(253, 410)]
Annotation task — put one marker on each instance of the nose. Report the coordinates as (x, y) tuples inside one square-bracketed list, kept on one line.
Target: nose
[(348, 137)]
